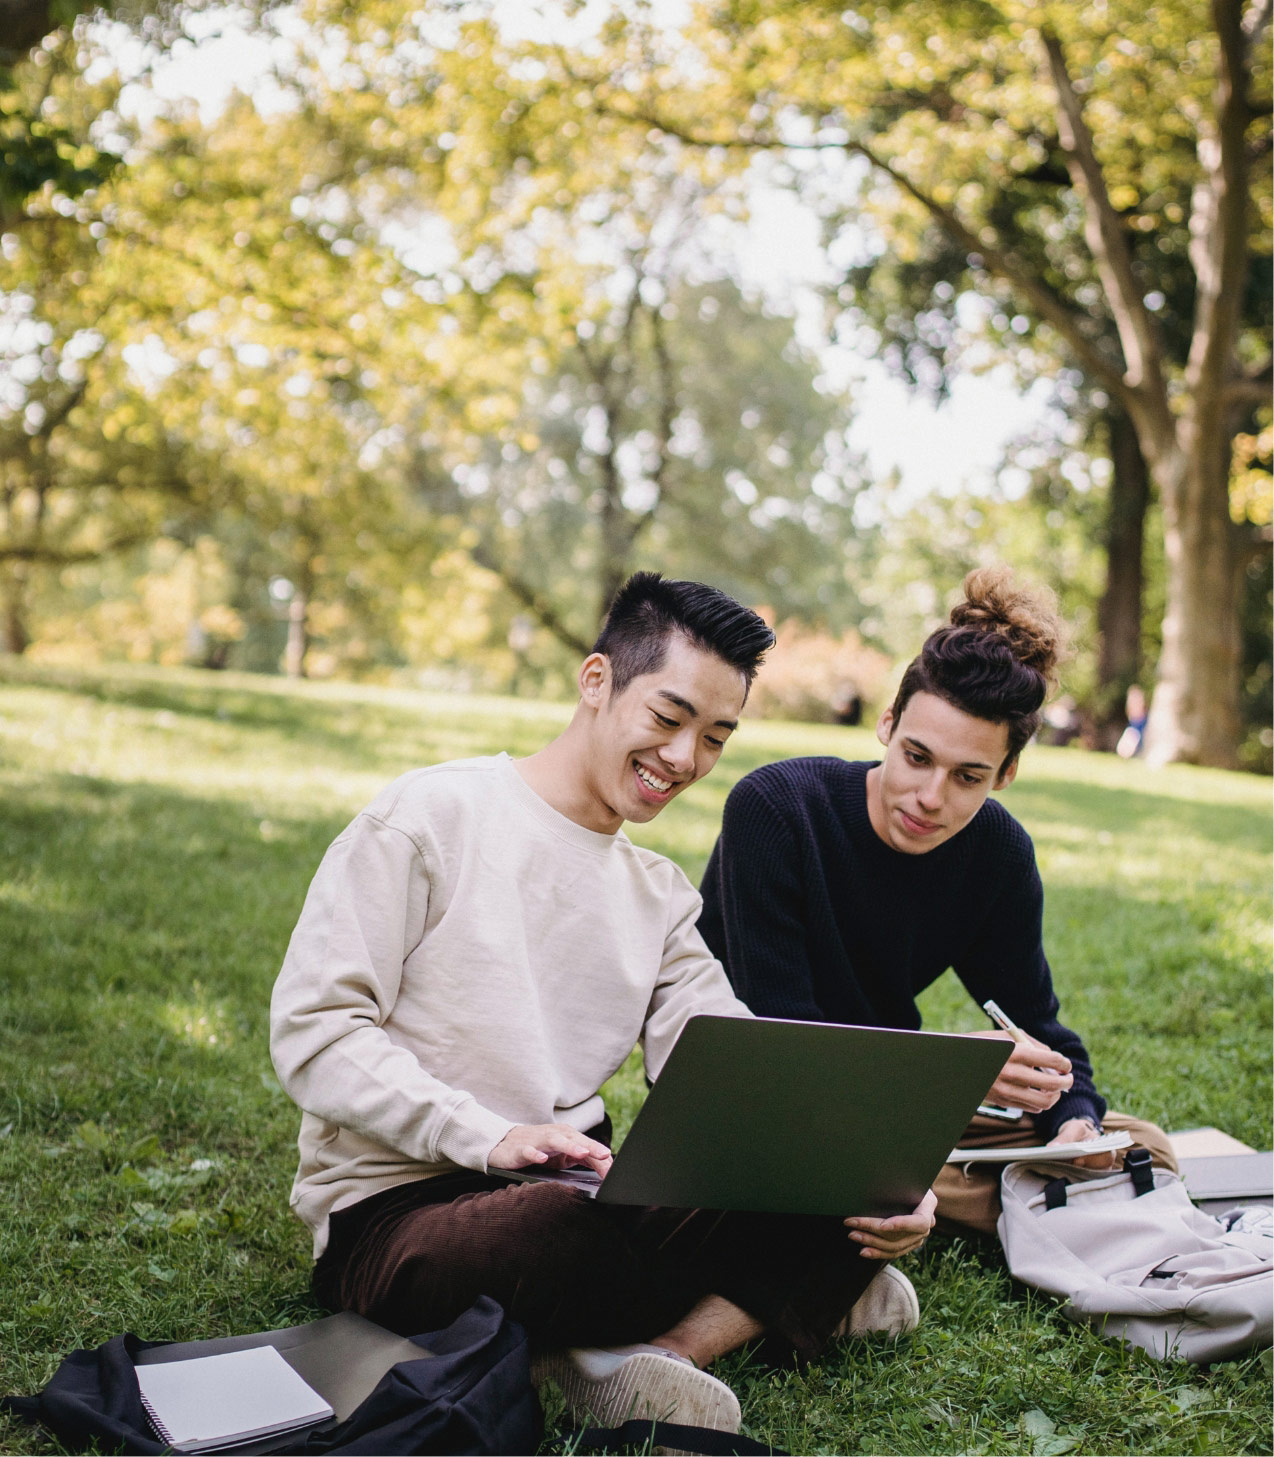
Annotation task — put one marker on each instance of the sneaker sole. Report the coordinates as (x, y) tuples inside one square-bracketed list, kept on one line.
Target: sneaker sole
[(650, 1388)]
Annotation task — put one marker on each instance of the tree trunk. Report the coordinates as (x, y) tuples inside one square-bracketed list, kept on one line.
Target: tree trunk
[(615, 531), (1194, 714), (298, 635), (23, 23), (16, 637), (614, 575), (1195, 711), (1119, 611)]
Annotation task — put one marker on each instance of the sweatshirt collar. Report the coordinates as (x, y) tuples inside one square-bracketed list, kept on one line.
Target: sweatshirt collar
[(594, 841)]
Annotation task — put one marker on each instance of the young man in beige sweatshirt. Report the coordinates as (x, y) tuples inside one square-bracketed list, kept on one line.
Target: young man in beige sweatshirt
[(479, 952)]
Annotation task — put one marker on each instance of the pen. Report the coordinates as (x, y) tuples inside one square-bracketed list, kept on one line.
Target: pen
[(1006, 1024), (1002, 1020)]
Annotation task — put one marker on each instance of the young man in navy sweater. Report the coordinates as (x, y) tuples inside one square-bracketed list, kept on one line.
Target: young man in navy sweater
[(838, 891)]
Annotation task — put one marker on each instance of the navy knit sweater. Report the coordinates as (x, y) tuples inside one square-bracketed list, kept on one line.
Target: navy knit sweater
[(816, 918)]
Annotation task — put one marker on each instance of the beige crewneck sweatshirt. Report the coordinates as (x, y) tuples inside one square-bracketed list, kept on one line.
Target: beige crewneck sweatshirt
[(468, 959)]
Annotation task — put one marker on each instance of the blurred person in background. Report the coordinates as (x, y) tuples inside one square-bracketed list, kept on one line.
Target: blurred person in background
[(1129, 745)]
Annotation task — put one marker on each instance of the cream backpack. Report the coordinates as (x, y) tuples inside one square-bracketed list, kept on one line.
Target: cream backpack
[(1134, 1259)]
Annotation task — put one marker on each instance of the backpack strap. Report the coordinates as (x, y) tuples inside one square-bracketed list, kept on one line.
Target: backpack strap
[(647, 1434), (1138, 1165), (1055, 1193)]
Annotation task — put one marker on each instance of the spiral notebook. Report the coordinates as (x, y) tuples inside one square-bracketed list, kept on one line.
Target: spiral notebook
[(213, 1402), (1043, 1152)]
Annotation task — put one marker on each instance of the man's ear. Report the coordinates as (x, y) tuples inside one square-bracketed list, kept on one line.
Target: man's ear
[(885, 726), (1007, 775), (594, 679)]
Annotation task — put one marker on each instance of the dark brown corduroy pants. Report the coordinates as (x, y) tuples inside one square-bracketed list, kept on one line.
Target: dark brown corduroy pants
[(577, 1273)]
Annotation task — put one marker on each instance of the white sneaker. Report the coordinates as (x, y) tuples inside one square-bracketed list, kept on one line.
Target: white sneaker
[(613, 1384), (889, 1306)]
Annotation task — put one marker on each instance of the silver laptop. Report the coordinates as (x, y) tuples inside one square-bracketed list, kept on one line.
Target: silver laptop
[(796, 1118)]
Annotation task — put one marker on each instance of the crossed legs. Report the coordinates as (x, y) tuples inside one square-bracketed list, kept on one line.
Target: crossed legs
[(576, 1273)]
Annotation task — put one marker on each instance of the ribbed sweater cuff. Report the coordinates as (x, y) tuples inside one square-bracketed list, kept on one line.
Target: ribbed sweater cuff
[(1069, 1105), (470, 1134)]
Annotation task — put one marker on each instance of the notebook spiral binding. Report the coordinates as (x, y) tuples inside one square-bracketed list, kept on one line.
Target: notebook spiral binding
[(161, 1431)]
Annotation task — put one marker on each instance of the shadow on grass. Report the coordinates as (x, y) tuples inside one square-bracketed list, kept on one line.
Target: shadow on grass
[(113, 886), (141, 929), (360, 735), (1098, 807)]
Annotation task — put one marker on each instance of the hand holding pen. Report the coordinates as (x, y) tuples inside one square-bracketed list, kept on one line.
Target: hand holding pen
[(1074, 1130), (1034, 1077)]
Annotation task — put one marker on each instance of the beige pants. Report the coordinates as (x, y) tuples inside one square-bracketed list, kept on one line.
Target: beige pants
[(969, 1194)]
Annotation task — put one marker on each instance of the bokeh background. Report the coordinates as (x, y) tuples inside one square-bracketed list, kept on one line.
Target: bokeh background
[(351, 355), (382, 341)]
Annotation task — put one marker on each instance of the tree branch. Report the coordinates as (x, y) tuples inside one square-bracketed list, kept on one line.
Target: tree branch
[(1050, 305), (1247, 392), (1104, 233), (666, 413), (23, 445), (1219, 217), (56, 417), (530, 598), (667, 404), (947, 108), (1069, 322), (53, 556), (1252, 387)]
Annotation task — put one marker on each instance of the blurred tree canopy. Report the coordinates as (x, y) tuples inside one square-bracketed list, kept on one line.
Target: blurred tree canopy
[(412, 365), (1076, 158)]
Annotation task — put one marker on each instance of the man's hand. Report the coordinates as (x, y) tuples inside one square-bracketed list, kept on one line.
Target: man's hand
[(1076, 1130), (886, 1239), (1034, 1077), (554, 1145)]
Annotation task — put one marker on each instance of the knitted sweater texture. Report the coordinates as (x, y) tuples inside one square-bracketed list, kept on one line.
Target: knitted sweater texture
[(816, 918)]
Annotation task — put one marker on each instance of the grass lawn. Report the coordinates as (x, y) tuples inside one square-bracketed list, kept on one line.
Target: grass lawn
[(157, 834)]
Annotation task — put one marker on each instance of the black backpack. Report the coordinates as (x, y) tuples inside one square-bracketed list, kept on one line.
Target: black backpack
[(471, 1393)]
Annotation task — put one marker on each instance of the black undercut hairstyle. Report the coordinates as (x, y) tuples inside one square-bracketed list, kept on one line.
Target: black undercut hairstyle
[(647, 610)]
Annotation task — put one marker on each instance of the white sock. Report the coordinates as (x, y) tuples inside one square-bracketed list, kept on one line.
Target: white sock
[(598, 1362)]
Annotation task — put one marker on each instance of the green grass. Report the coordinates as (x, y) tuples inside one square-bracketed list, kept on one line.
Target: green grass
[(157, 834)]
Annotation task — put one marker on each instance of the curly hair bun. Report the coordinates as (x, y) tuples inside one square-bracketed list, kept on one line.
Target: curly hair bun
[(1027, 619)]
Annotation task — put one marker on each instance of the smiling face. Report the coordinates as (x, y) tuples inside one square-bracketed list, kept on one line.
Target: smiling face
[(940, 764), (662, 732)]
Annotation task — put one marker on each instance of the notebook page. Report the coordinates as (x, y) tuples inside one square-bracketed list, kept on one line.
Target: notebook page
[(1042, 1152), (226, 1398)]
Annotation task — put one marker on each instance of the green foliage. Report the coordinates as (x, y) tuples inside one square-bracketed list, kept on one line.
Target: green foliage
[(241, 343), (44, 147), (35, 153), (446, 345), (157, 833), (685, 434), (1086, 170)]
